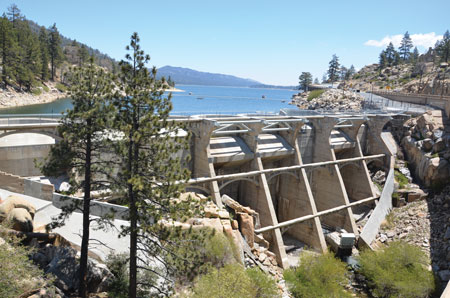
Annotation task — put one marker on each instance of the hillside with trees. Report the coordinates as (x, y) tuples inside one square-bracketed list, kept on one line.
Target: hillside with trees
[(406, 70), (33, 59)]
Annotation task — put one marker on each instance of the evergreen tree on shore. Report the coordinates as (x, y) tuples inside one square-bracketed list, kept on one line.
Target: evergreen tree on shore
[(333, 69), (81, 149), (305, 79), (443, 47), (147, 151), (54, 47), (8, 48), (405, 47), (43, 42)]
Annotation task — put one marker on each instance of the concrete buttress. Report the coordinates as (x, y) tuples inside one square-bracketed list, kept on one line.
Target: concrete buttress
[(297, 199), (202, 165), (258, 197), (326, 182)]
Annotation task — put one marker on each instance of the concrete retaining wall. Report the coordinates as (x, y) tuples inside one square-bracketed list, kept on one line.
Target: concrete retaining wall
[(441, 102), (382, 209), (97, 208), (26, 187)]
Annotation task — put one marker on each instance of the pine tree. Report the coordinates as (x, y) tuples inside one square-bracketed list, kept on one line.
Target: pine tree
[(405, 47), (415, 56), (351, 71), (80, 152), (83, 54), (14, 14), (305, 79), (443, 48), (8, 49), (28, 56), (316, 81), (147, 150), (382, 61), (333, 69), (343, 73), (397, 58), (54, 49), (390, 53), (43, 44)]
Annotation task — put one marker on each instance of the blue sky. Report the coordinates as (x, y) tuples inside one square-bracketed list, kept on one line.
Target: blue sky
[(269, 41)]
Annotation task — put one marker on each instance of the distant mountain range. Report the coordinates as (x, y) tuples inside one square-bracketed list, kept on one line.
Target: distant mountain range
[(186, 76)]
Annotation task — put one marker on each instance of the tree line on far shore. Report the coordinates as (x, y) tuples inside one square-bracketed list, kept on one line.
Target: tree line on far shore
[(30, 55), (335, 72)]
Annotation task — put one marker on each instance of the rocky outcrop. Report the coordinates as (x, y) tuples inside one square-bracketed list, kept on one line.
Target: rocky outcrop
[(18, 213), (63, 263), (11, 98), (331, 99), (426, 144)]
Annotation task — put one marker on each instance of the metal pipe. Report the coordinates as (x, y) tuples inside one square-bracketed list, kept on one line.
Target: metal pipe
[(311, 216)]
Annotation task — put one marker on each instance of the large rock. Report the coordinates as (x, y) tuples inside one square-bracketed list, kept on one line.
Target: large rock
[(64, 265), (247, 227), (14, 201), (20, 220)]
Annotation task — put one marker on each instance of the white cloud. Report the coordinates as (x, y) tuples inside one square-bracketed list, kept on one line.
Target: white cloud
[(425, 40)]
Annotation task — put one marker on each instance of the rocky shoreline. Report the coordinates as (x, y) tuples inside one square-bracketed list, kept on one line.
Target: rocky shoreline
[(330, 100), (11, 98)]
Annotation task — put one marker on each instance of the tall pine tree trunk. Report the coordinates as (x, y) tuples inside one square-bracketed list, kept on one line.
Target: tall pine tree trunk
[(83, 290), (133, 218), (53, 68)]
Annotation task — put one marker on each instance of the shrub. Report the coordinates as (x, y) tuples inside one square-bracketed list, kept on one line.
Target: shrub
[(61, 87), (36, 92), (398, 270), (318, 276), (194, 251), (265, 286), (18, 274), (315, 93), (118, 288), (118, 265), (232, 281), (46, 89), (401, 179)]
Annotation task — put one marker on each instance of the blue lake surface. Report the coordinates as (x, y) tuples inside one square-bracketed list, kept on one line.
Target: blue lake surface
[(197, 100)]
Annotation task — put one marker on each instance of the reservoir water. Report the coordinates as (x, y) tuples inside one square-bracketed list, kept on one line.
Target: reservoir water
[(196, 100)]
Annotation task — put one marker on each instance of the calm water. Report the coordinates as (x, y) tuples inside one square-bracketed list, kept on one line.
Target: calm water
[(196, 100)]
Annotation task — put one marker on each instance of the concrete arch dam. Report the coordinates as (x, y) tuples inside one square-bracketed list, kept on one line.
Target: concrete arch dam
[(299, 173)]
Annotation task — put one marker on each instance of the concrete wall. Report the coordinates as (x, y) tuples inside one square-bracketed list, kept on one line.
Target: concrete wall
[(19, 160), (27, 187), (442, 102), (382, 209), (97, 208)]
